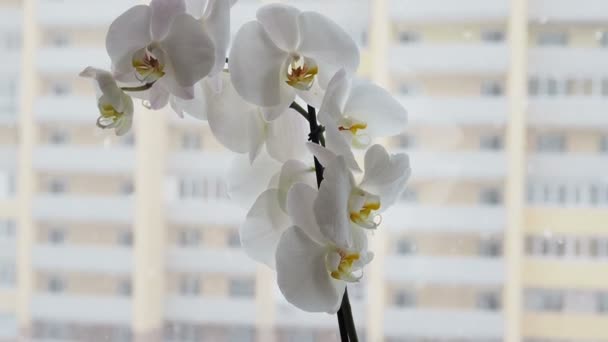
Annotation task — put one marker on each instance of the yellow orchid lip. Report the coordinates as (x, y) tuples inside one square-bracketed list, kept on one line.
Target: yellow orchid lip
[(148, 67), (344, 270), (301, 73), (109, 116), (354, 127)]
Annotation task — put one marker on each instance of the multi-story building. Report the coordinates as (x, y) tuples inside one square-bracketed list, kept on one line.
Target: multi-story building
[(498, 236)]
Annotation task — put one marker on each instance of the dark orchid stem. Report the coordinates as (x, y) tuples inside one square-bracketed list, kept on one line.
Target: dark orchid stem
[(295, 106), (140, 88), (348, 332)]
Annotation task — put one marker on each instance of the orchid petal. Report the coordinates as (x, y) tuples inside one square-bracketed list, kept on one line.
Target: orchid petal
[(373, 105), (300, 207), (217, 22), (262, 229), (256, 65), (335, 98), (385, 175), (241, 188), (162, 14), (127, 34), (190, 50), (281, 23), (294, 172), (286, 136), (331, 205), (302, 274)]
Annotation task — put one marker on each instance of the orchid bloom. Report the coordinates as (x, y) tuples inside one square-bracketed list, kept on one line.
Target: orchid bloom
[(355, 115), (115, 107), (287, 53), (268, 219), (240, 126), (163, 46), (342, 201), (313, 266)]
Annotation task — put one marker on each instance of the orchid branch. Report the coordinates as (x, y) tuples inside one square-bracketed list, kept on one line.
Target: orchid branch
[(348, 331)]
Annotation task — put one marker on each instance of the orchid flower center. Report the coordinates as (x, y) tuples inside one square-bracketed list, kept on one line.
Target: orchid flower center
[(148, 64), (354, 127), (362, 207), (344, 269), (301, 72), (109, 116)]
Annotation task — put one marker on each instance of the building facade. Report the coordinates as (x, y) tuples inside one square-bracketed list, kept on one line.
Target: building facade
[(500, 235)]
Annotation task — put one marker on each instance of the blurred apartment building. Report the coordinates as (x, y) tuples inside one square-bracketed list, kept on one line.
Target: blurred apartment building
[(501, 235)]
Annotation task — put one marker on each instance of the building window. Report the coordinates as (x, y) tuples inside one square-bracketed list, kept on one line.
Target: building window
[(491, 142), (488, 301), (533, 86), (124, 288), (57, 186), (56, 236), (191, 141), (604, 144), (127, 187), (409, 195), (602, 38), (60, 89), (189, 237), (242, 288), (58, 137), (550, 143), (492, 88), (60, 39), (234, 239), (404, 140), (601, 300), (56, 285), (491, 196), (552, 38), (7, 228), (125, 238), (241, 334), (404, 298), (490, 247), (493, 36), (129, 139), (192, 188), (405, 246), (408, 37), (408, 89), (7, 274), (189, 285), (11, 40)]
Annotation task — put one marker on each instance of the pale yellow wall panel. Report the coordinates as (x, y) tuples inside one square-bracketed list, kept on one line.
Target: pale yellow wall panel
[(572, 220), (215, 285), (81, 184), (583, 141), (565, 327), (82, 283), (565, 274), (8, 301)]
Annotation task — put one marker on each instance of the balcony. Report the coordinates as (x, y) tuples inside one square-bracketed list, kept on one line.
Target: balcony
[(458, 165), (73, 109), (568, 10), (111, 260), (443, 324), (554, 326), (61, 13), (71, 60), (82, 309), (208, 260), (79, 208), (565, 61), (568, 112), (448, 219), (211, 310), (589, 166), (476, 271), (8, 327), (466, 58), (199, 211), (424, 110), (11, 61), (288, 315), (85, 159), (211, 163), (451, 11)]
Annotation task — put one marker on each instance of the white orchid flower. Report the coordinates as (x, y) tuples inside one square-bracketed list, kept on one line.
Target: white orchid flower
[(313, 267), (115, 107), (160, 44), (288, 52), (342, 201), (355, 115), (267, 219), (240, 126)]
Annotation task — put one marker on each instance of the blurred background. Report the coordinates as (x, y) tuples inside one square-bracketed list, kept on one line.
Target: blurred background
[(502, 234)]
